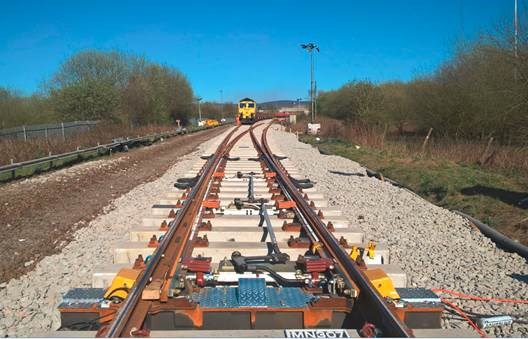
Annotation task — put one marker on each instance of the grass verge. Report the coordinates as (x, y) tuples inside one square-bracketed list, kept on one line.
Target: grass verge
[(488, 196)]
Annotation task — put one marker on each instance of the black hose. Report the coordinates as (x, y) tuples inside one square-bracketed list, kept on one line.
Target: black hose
[(500, 239)]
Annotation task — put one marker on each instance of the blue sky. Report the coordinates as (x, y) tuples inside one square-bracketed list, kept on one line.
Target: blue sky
[(246, 48)]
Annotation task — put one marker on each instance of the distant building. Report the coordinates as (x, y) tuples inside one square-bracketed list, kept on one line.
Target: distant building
[(294, 109), (286, 106)]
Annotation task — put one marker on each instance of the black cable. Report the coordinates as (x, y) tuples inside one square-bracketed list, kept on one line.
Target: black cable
[(87, 323), (126, 289)]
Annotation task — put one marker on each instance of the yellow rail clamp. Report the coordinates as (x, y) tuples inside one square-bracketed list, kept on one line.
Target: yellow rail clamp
[(382, 283), (316, 246), (122, 283), (371, 247), (354, 254)]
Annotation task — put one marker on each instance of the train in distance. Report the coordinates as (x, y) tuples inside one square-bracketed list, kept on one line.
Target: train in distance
[(249, 114)]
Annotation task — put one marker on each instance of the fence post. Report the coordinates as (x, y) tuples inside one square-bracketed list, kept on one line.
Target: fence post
[(25, 134), (426, 140), (46, 133), (484, 157), (63, 135)]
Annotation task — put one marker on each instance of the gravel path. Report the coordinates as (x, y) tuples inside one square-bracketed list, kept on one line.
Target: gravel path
[(28, 305), (436, 248)]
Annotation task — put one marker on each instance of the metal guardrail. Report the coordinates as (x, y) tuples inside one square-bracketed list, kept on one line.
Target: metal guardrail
[(35, 166)]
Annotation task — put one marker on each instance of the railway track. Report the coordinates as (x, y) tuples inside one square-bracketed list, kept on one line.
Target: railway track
[(246, 243)]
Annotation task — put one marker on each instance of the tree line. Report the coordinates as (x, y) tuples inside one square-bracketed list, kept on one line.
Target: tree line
[(482, 91), (111, 86)]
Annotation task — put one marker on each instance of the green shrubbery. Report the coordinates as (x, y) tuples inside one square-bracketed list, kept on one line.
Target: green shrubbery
[(110, 86), (481, 92)]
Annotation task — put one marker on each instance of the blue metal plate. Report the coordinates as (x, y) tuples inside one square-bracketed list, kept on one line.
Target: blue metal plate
[(252, 293)]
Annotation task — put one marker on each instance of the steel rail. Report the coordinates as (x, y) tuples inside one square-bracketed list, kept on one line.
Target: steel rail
[(127, 313), (371, 303)]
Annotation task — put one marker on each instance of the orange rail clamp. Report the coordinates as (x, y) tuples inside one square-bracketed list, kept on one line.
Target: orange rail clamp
[(218, 174), (211, 203), (287, 204), (269, 175)]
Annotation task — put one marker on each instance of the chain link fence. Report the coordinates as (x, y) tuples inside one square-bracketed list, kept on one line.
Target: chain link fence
[(57, 130)]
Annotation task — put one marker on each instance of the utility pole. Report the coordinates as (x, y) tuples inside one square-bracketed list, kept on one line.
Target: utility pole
[(310, 47)]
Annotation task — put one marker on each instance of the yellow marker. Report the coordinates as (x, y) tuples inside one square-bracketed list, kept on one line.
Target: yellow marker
[(354, 254), (122, 283), (382, 283), (316, 246), (370, 249)]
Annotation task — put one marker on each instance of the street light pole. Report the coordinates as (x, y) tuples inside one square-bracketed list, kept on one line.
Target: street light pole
[(310, 47)]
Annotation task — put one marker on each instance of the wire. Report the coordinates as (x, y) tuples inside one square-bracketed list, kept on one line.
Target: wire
[(88, 323), (472, 297), (465, 316)]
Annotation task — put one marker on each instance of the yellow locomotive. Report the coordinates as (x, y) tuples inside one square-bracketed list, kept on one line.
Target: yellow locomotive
[(247, 111)]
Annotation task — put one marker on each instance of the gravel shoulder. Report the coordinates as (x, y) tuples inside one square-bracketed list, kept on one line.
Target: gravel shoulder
[(38, 216), (435, 247), (28, 304)]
